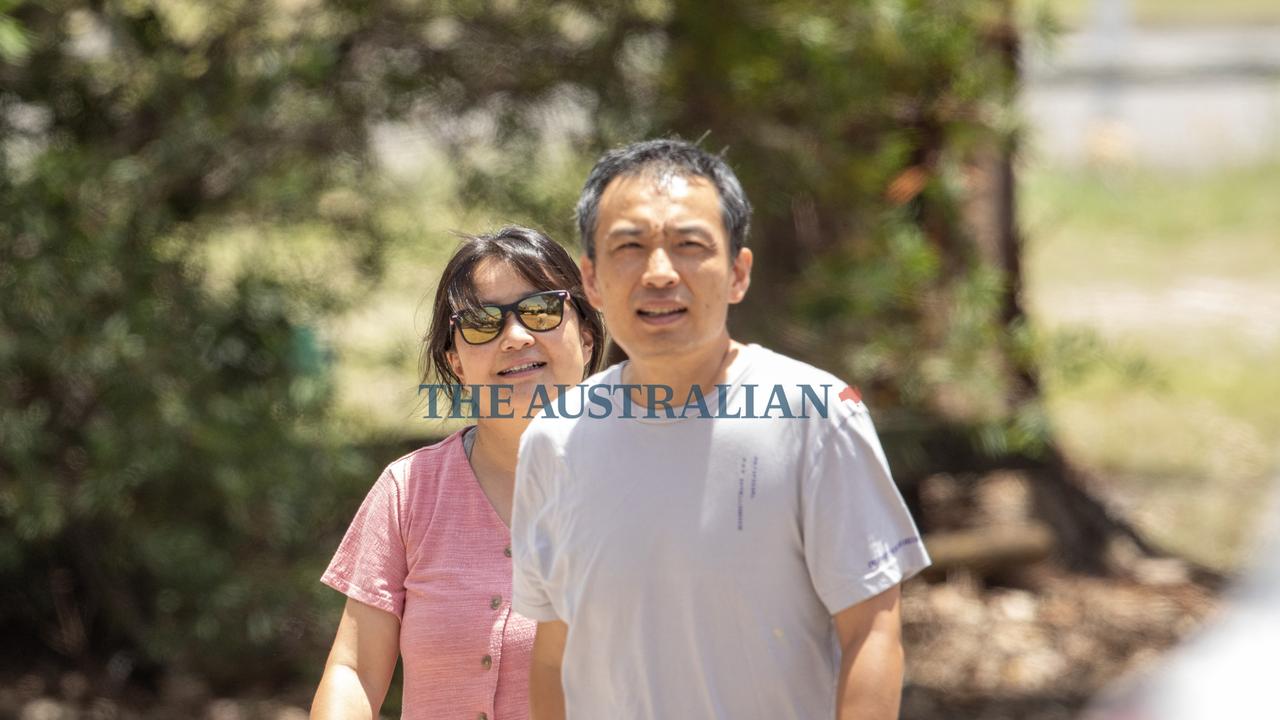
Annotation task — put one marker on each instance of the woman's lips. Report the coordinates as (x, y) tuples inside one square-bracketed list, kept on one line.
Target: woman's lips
[(522, 370)]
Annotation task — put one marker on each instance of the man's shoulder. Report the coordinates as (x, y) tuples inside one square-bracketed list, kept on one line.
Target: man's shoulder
[(766, 360), (802, 382)]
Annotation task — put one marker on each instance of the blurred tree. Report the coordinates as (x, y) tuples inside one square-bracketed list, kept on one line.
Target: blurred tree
[(163, 451), (163, 447), (162, 464), (877, 141)]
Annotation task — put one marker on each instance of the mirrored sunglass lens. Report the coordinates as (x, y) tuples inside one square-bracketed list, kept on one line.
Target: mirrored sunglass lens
[(476, 336), (480, 325), (542, 312)]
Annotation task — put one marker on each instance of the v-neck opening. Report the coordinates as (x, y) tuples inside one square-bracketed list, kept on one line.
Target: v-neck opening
[(475, 479)]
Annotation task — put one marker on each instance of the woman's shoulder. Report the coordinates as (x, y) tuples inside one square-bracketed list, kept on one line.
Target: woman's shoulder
[(423, 468)]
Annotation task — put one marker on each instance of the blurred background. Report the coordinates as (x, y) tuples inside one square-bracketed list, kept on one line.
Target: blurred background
[(1043, 237)]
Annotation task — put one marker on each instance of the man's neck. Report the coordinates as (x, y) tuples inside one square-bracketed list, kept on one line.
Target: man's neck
[(706, 368)]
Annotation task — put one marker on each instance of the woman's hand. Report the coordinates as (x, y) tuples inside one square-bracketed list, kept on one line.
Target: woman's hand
[(360, 665), (546, 693)]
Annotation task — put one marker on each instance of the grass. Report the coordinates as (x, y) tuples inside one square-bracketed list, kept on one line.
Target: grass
[(1187, 13), (1134, 225), (1179, 276)]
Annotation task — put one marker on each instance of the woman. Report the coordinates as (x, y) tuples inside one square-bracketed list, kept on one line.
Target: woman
[(426, 564)]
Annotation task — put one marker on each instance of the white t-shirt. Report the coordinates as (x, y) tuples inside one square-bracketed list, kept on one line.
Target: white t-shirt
[(698, 561)]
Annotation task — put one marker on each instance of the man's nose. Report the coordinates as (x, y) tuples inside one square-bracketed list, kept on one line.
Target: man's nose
[(514, 334), (658, 271)]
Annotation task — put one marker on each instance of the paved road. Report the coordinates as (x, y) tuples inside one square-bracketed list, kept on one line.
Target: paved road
[(1173, 97)]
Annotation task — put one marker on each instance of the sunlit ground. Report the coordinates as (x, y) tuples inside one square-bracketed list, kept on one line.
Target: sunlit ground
[(1074, 13), (1178, 276)]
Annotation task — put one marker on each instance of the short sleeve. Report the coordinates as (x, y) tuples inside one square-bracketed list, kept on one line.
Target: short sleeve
[(370, 564), (859, 538), (532, 539)]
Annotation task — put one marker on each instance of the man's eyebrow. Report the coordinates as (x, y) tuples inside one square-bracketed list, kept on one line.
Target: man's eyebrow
[(625, 231), (694, 228)]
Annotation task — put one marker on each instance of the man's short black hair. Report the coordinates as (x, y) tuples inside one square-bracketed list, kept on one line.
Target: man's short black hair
[(666, 156)]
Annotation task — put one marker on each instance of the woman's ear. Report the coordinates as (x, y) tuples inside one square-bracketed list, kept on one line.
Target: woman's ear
[(588, 344), (455, 364)]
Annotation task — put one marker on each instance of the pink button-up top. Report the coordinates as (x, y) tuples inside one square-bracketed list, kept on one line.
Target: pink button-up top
[(428, 547)]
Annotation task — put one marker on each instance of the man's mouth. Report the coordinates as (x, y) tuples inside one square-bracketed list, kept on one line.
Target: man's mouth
[(663, 312), (522, 368)]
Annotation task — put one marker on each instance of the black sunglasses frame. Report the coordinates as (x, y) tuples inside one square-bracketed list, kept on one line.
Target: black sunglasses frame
[(455, 319)]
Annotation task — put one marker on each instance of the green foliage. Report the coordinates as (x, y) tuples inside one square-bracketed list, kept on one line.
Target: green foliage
[(171, 483), (861, 131), (161, 442), (169, 169)]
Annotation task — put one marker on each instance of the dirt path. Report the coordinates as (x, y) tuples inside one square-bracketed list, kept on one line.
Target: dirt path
[(1192, 304)]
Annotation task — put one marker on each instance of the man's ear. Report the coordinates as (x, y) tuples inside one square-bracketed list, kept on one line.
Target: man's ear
[(589, 282), (741, 279)]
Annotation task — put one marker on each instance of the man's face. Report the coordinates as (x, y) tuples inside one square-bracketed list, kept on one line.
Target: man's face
[(662, 273)]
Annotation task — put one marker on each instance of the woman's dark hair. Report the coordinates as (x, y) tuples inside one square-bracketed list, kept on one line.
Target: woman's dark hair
[(537, 258)]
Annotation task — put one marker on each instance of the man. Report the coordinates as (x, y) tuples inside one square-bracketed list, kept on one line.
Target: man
[(731, 552)]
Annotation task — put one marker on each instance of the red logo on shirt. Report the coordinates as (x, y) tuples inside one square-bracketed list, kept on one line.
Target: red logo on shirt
[(851, 393)]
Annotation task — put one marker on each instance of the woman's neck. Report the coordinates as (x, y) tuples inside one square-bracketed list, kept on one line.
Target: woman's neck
[(493, 454)]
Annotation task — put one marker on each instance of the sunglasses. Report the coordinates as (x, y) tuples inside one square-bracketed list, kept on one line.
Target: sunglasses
[(539, 312)]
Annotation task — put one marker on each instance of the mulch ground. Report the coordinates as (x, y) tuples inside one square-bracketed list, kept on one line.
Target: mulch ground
[(1030, 643), (1037, 652)]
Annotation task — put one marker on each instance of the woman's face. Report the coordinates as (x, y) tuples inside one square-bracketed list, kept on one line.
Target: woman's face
[(519, 357)]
